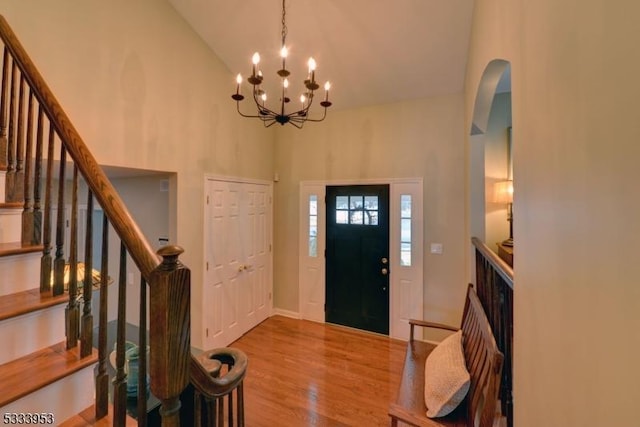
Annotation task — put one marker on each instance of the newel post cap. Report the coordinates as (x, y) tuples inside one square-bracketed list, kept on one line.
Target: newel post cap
[(170, 254)]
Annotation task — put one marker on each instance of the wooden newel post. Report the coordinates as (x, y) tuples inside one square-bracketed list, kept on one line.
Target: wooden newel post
[(170, 332)]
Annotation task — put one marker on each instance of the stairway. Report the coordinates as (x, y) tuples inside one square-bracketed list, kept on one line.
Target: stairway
[(38, 374)]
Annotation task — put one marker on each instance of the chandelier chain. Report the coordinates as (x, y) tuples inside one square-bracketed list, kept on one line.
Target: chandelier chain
[(284, 25)]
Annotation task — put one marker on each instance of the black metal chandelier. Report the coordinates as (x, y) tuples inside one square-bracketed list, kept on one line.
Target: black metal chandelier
[(269, 116)]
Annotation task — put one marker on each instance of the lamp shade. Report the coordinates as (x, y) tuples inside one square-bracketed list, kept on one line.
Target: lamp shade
[(503, 192), (95, 276)]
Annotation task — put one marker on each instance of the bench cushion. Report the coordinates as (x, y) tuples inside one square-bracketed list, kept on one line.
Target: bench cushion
[(446, 377)]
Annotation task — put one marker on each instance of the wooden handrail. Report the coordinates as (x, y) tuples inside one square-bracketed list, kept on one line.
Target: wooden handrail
[(501, 267), (113, 207)]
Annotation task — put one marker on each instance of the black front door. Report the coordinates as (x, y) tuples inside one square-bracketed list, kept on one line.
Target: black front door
[(357, 259)]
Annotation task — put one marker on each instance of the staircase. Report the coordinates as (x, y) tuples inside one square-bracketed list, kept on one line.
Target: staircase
[(53, 370), (39, 375), (51, 365)]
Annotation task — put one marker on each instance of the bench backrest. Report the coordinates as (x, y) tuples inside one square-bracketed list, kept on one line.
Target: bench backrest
[(484, 362)]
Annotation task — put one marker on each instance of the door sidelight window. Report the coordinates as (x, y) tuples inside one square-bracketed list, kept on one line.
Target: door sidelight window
[(405, 230)]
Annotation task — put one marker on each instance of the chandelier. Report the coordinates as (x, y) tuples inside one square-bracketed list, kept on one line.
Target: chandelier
[(279, 115)]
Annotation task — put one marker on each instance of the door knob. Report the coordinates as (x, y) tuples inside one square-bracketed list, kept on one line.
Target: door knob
[(243, 267), (384, 271)]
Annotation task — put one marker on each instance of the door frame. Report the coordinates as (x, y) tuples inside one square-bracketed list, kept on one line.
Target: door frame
[(311, 270), (269, 237)]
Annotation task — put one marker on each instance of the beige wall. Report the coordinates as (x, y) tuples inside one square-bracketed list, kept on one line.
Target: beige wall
[(575, 113), (144, 91), (421, 138)]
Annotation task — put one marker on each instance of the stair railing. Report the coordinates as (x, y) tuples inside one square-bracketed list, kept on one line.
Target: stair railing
[(33, 123), (494, 284)]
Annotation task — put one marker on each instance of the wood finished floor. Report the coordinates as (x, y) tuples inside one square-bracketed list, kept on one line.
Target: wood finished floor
[(303, 373)]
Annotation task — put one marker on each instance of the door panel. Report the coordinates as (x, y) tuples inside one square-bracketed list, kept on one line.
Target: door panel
[(257, 253), (221, 310), (357, 253)]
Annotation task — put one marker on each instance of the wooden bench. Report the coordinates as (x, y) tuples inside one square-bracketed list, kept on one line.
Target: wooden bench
[(484, 363)]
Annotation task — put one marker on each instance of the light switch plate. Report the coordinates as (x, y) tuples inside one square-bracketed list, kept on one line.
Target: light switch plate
[(436, 248)]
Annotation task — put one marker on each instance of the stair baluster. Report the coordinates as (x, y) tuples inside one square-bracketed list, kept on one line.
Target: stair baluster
[(58, 263), (86, 331), (11, 145), (27, 212), (120, 381), (3, 109), (36, 237), (46, 262), (73, 312), (102, 378), (17, 193), (142, 361)]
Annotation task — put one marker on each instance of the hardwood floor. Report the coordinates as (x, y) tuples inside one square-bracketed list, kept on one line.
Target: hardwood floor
[(303, 373)]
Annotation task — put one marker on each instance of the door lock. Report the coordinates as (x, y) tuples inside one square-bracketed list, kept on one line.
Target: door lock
[(385, 261), (384, 271)]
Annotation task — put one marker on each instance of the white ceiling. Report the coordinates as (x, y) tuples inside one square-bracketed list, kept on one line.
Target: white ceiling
[(372, 51)]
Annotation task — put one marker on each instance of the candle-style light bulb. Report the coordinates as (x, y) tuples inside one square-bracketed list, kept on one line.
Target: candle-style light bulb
[(238, 81), (284, 52), (327, 86), (303, 99), (312, 70), (285, 83), (264, 97), (255, 60)]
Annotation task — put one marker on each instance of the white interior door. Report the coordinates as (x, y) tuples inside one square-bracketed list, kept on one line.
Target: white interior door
[(256, 247), (222, 264), (237, 290)]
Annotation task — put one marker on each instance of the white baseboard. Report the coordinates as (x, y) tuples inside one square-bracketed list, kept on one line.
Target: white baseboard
[(285, 313)]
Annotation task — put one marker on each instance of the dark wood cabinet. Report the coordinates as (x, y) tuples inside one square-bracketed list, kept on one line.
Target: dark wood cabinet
[(506, 253)]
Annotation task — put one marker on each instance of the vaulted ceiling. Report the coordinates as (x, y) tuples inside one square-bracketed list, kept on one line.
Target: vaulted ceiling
[(372, 51)]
